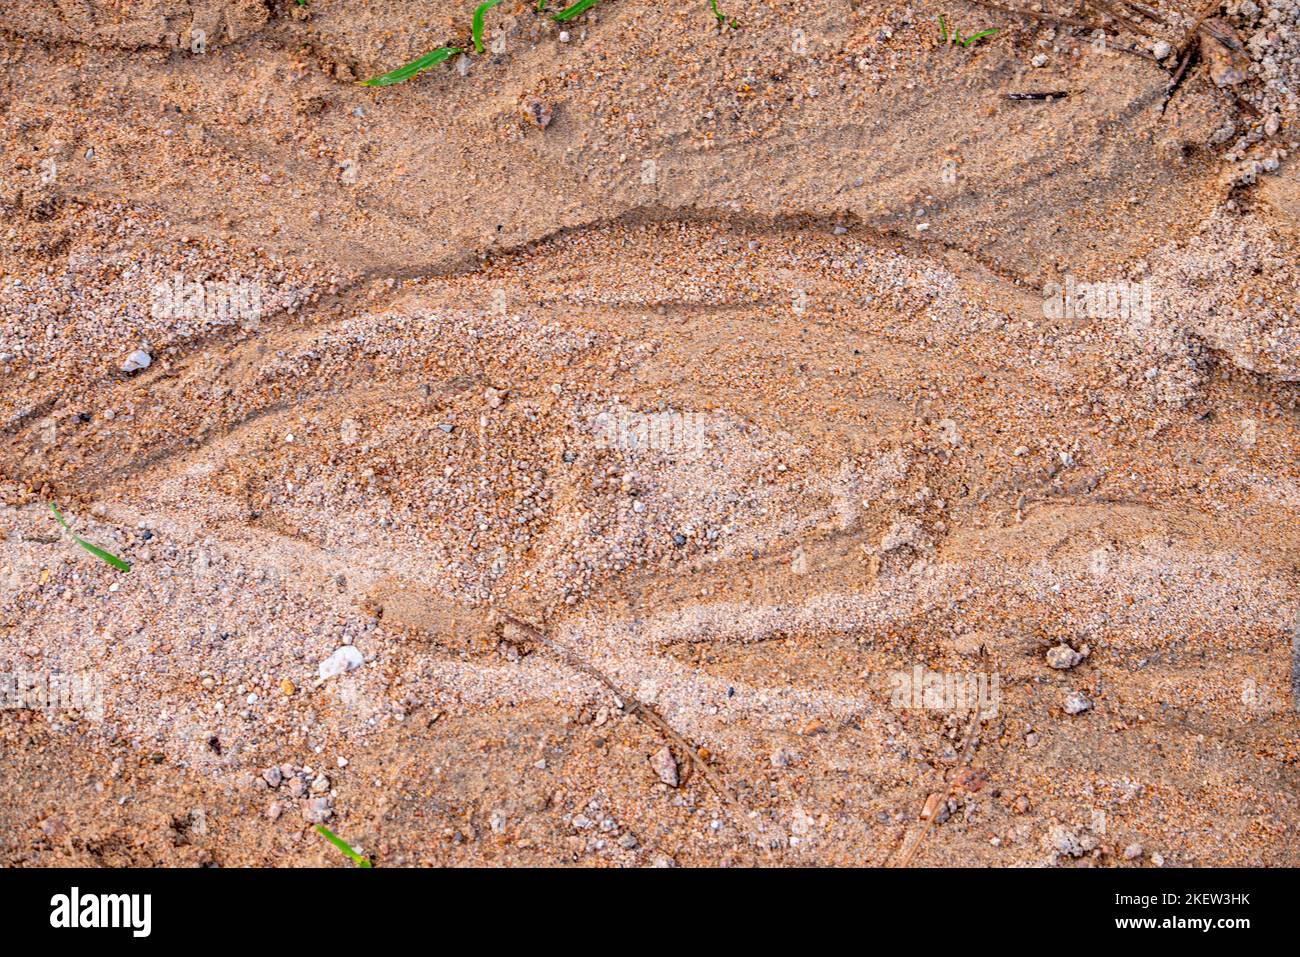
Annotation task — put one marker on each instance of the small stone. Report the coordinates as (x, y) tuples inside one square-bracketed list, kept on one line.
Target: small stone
[(136, 361), (665, 766), (802, 823), (1039, 61), (347, 658), (287, 688), (497, 821), (782, 758), (1132, 852), (1227, 67), (1076, 702), (931, 806), (1064, 841), (1063, 657), (272, 776), (493, 397), (208, 682), (274, 810), (538, 113), (317, 810), (628, 842), (1162, 49), (320, 784), (1158, 860)]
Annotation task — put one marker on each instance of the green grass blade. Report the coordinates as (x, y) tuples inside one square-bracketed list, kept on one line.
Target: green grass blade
[(541, 5), (414, 68), (721, 17), (944, 28), (476, 26), (106, 556), (577, 10), (343, 846), (983, 33), (93, 549)]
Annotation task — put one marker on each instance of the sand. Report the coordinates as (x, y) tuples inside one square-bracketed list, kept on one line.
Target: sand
[(741, 383)]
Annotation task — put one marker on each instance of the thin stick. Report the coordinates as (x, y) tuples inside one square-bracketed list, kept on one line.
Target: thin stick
[(630, 704), (968, 749), (1151, 13), (1046, 17), (1125, 20), (1064, 21), (1210, 7), (1136, 51)]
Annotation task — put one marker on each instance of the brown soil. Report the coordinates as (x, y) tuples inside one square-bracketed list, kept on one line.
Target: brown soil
[(890, 455)]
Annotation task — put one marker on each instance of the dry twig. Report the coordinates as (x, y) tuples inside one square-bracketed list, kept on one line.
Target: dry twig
[(968, 750), (630, 705)]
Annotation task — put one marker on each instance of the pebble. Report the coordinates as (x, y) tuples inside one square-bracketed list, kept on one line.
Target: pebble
[(1076, 702), (272, 776), (665, 766), (274, 810), (781, 758), (1063, 657), (1161, 50), (317, 810), (1065, 841), (1132, 852), (136, 361), (539, 114), (320, 784), (347, 658)]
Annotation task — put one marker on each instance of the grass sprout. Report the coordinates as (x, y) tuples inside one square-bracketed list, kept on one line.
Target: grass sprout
[(414, 68), (729, 21), (577, 10), (434, 57), (978, 36), (343, 846), (93, 549), (476, 27), (956, 36)]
